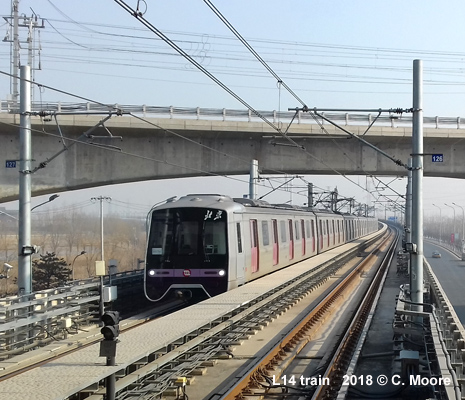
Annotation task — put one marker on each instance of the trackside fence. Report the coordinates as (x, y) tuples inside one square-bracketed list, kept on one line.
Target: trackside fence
[(31, 321)]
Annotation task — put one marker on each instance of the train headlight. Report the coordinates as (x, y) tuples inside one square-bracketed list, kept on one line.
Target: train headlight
[(152, 272), (221, 272)]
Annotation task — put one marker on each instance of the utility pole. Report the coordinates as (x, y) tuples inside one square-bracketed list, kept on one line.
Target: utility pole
[(31, 23), (416, 278), (102, 251), (14, 50)]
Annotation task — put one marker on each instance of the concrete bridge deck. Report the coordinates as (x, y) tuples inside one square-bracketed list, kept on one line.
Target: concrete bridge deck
[(168, 142)]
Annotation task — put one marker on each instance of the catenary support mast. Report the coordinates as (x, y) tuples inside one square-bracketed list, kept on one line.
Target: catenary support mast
[(417, 186), (25, 248)]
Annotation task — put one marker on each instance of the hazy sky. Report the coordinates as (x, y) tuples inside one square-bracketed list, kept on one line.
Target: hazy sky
[(338, 54)]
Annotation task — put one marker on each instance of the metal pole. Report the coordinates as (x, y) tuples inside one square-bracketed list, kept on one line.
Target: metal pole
[(453, 222), (462, 241), (24, 230), (72, 265), (408, 208), (102, 252), (417, 187), (310, 195), (440, 223), (110, 381), (463, 218), (253, 179), (15, 44)]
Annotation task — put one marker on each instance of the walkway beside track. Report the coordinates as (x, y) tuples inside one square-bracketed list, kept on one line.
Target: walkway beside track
[(74, 372)]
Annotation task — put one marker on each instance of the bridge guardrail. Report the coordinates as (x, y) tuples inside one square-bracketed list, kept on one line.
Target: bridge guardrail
[(30, 321), (453, 331), (199, 113)]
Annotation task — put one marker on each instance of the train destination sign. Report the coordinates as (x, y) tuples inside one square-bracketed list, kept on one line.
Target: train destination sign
[(437, 157)]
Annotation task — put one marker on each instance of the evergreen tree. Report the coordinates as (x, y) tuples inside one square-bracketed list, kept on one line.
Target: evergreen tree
[(50, 271)]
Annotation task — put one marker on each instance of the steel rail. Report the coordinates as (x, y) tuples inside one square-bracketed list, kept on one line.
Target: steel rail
[(228, 330), (239, 321), (275, 355), (343, 355), (234, 328)]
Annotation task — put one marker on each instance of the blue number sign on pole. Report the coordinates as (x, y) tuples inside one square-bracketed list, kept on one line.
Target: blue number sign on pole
[(10, 164), (437, 158)]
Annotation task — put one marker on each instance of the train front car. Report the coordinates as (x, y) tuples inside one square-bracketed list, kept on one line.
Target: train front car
[(187, 251)]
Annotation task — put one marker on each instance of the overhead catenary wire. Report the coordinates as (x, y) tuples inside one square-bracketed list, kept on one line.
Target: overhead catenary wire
[(122, 152), (166, 162), (251, 49), (136, 14), (177, 165), (173, 45), (278, 128)]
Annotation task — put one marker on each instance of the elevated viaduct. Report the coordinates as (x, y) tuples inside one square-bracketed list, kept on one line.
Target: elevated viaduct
[(172, 143)]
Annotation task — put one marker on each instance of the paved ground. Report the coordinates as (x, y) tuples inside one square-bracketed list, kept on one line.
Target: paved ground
[(450, 272), (377, 356)]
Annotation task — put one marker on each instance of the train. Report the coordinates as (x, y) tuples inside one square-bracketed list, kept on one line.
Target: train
[(207, 244)]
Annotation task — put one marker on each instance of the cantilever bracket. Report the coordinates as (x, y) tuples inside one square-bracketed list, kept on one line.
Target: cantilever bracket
[(396, 161), (86, 137)]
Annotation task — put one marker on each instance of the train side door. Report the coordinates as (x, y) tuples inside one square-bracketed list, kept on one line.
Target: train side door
[(302, 231), (275, 242), (327, 231), (254, 244), (240, 257), (334, 232), (313, 236), (291, 240)]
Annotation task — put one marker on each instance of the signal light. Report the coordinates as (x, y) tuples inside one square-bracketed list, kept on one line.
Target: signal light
[(110, 330)]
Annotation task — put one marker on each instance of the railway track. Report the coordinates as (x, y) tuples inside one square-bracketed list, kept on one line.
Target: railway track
[(167, 371), (168, 374), (267, 377)]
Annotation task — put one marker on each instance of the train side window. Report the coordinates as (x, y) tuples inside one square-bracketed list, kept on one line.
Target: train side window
[(282, 226), (265, 233), (297, 231), (307, 228), (275, 231), (239, 238)]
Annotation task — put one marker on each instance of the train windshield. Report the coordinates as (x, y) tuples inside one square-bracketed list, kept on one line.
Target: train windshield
[(195, 232)]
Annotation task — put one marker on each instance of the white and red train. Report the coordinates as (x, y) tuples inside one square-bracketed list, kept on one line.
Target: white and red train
[(209, 243)]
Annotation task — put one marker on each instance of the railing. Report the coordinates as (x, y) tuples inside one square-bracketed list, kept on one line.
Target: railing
[(223, 114), (34, 320), (453, 334)]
